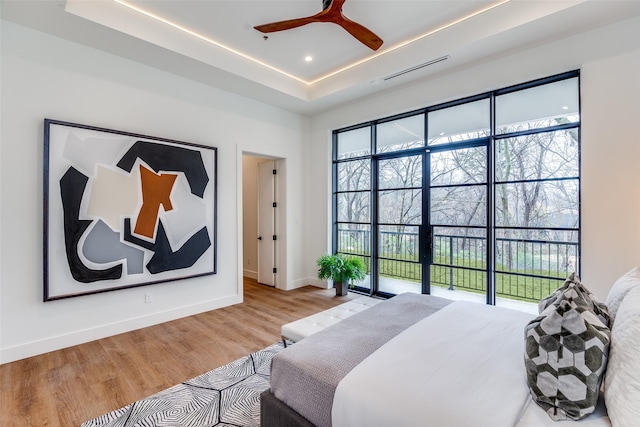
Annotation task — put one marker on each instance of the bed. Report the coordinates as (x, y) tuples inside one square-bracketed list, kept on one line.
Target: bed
[(433, 362)]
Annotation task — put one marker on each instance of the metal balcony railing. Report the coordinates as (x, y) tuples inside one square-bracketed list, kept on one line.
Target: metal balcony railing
[(525, 269)]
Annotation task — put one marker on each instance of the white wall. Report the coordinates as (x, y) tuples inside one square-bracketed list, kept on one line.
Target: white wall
[(610, 92), (43, 76), (610, 168)]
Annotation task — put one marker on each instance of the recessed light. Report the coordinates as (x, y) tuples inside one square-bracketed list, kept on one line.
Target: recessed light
[(564, 107), (441, 133), (308, 58), (129, 4)]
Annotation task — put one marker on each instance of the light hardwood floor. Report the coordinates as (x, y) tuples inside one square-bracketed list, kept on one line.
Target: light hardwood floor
[(69, 386)]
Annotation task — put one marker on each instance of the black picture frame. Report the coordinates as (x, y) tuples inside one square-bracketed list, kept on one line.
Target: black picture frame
[(123, 210)]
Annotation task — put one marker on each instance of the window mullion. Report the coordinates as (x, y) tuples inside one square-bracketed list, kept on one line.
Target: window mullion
[(490, 267)]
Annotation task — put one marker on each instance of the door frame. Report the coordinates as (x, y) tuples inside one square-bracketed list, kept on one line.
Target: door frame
[(281, 251), (426, 227)]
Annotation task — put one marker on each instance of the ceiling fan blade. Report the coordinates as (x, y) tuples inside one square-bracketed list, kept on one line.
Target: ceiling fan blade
[(285, 25), (360, 32), (332, 12)]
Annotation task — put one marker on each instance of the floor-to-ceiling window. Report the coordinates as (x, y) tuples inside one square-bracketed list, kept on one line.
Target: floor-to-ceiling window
[(473, 199)]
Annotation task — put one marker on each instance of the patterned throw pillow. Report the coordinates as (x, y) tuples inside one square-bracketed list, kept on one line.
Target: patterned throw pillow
[(600, 309), (566, 352)]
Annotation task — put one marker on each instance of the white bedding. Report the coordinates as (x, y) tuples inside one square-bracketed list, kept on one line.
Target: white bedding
[(462, 366)]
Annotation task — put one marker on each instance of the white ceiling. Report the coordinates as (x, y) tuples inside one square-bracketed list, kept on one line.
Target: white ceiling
[(213, 41)]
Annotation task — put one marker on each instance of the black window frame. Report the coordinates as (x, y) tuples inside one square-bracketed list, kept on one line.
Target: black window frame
[(426, 229)]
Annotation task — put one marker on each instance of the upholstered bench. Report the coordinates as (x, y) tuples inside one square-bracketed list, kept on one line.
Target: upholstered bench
[(295, 331)]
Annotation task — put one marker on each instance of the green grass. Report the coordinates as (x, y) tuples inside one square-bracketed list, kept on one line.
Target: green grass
[(512, 286)]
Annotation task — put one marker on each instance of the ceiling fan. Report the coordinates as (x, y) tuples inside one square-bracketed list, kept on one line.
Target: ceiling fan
[(331, 12)]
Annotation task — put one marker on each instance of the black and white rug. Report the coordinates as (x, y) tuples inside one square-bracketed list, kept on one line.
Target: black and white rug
[(226, 396)]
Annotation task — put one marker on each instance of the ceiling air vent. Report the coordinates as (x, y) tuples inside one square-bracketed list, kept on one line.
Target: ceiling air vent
[(417, 67)]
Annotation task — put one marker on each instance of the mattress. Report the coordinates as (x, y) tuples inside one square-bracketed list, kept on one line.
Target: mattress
[(471, 371), (462, 366), (304, 376)]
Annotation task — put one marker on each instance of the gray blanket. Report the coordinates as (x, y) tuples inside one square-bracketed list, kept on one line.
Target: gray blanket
[(306, 374)]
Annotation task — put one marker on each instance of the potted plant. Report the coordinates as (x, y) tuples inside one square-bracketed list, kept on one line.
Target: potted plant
[(343, 270)]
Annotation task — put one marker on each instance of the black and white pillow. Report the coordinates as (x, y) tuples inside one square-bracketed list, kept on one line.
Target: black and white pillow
[(566, 352), (573, 281)]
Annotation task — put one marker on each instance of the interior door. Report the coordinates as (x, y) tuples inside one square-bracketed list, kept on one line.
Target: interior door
[(267, 236)]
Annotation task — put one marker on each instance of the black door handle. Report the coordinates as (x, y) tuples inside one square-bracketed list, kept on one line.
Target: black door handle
[(260, 238)]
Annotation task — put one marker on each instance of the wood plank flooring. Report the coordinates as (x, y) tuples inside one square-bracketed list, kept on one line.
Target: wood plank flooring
[(69, 386)]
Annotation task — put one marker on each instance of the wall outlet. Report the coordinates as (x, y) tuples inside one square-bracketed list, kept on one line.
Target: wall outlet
[(148, 297)]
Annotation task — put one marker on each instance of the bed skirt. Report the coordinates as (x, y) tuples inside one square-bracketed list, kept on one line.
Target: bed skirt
[(275, 413)]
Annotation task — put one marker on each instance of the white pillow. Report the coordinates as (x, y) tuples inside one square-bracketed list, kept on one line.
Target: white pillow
[(622, 381), (621, 288)]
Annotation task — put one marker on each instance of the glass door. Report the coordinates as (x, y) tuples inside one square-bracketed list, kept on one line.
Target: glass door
[(400, 217), (448, 255), (458, 222)]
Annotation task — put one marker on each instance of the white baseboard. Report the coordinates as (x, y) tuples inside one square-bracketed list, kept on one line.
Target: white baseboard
[(320, 283), (295, 284), (250, 274), (35, 348), (307, 281)]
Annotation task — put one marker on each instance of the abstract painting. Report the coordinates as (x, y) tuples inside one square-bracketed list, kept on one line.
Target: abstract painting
[(124, 210)]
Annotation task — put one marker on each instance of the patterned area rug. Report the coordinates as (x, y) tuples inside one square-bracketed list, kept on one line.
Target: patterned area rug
[(226, 396)]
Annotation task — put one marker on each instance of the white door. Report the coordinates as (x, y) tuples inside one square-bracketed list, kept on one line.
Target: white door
[(267, 236)]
